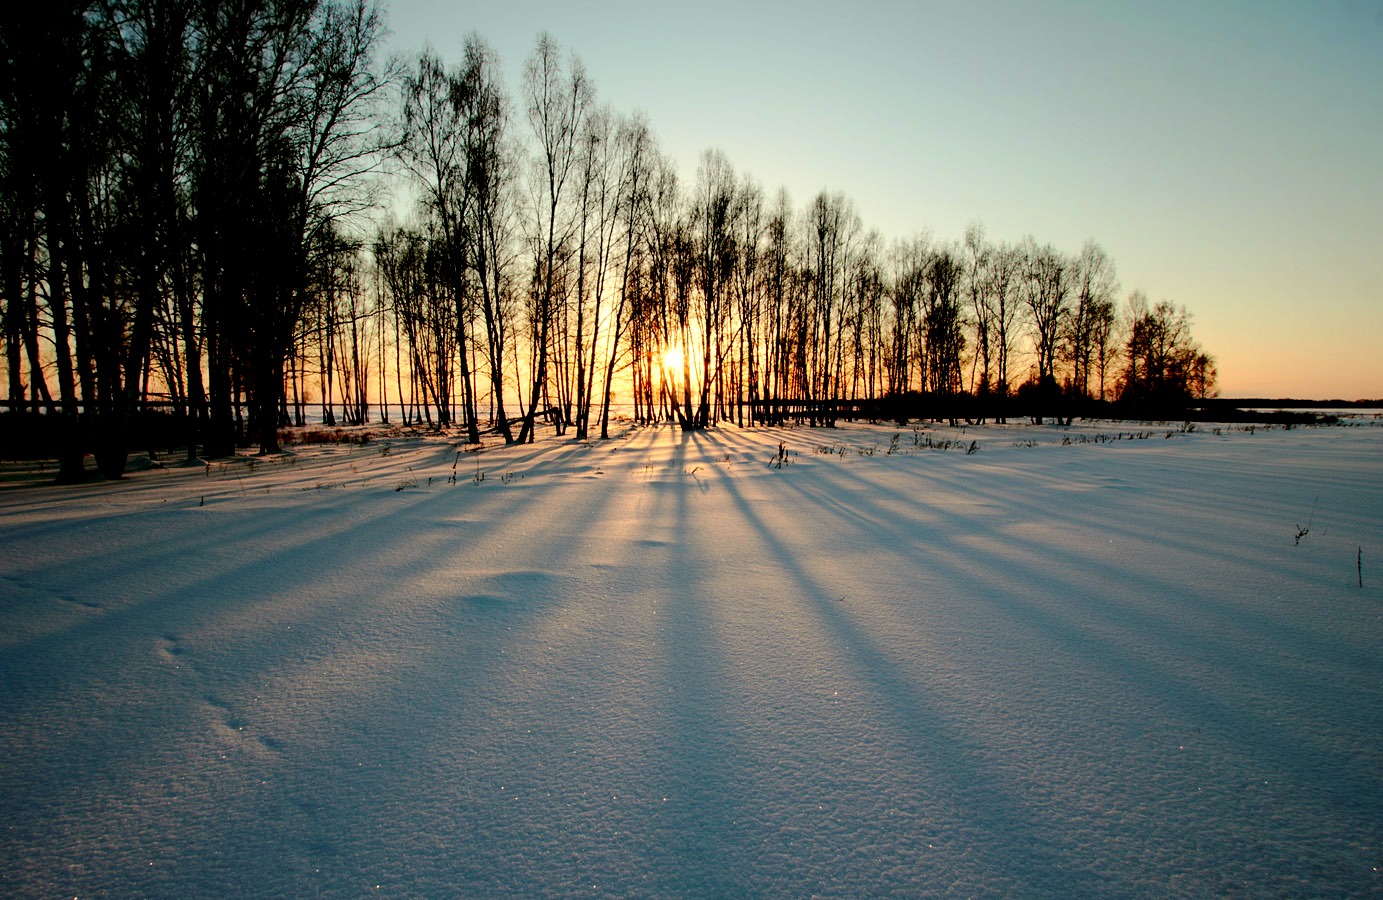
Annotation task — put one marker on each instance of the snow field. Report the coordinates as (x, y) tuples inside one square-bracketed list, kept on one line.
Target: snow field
[(658, 666)]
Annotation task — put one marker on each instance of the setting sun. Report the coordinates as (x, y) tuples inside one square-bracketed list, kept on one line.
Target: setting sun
[(609, 463)]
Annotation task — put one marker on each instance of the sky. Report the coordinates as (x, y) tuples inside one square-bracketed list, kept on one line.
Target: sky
[(1228, 156)]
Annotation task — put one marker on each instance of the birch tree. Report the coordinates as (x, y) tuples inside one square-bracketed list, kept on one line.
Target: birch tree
[(558, 97)]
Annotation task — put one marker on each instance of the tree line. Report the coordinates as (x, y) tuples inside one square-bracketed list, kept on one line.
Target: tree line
[(191, 195)]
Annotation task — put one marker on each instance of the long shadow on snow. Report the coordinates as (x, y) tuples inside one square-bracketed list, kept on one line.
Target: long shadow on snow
[(704, 829), (151, 550), (855, 506), (239, 589), (426, 711), (1288, 751), (118, 751), (1019, 842)]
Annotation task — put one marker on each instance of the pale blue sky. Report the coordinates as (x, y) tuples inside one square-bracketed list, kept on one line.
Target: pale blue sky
[(1228, 156)]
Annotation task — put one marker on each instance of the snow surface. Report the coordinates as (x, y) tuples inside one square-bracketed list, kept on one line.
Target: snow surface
[(659, 666)]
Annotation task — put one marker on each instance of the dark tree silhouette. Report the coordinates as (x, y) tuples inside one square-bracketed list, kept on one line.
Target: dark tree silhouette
[(489, 223), (1094, 287), (1165, 368), (180, 183), (558, 98)]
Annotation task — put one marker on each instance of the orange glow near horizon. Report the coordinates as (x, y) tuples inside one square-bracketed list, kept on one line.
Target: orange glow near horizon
[(673, 359)]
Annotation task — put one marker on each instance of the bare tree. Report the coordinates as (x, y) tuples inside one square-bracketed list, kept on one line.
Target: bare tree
[(347, 341), (600, 175), (662, 305), (714, 235), (422, 316), (1094, 287), (178, 183), (976, 260), (638, 161), (943, 324), (433, 152), (1164, 366), (747, 283), (1105, 341), (908, 290), (60, 112), (558, 98), (489, 209), (779, 263), (1046, 290), (1002, 298), (829, 225)]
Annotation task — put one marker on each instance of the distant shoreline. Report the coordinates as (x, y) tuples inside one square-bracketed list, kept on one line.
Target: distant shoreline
[(1288, 403)]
